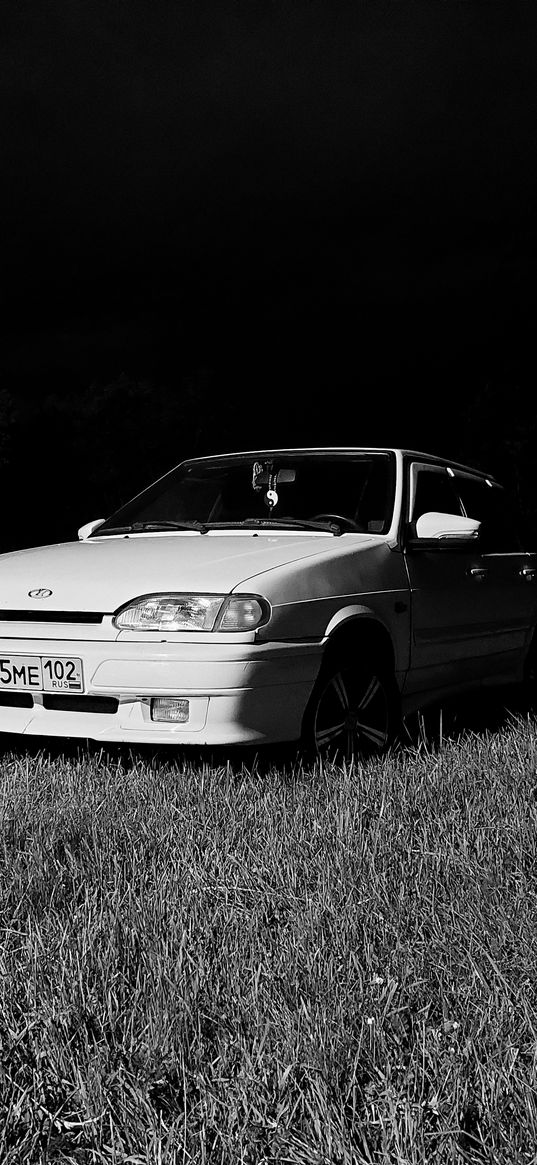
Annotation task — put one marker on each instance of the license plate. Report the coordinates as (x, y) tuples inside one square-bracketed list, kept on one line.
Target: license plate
[(41, 673)]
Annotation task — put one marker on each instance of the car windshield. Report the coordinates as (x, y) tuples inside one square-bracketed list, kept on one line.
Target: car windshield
[(342, 492)]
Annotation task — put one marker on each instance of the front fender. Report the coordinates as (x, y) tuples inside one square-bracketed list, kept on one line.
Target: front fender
[(350, 614), (396, 630)]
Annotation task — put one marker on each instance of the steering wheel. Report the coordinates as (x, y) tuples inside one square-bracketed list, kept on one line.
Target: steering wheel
[(347, 523)]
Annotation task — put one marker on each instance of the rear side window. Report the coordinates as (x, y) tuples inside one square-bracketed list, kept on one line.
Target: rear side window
[(490, 505)]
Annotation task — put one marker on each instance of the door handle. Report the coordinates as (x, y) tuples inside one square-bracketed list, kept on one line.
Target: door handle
[(479, 573), (527, 573)]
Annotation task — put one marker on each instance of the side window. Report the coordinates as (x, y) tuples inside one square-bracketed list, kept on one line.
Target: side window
[(432, 489), (490, 505)]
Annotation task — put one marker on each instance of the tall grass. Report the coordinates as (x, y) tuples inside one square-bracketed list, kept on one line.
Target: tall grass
[(204, 963)]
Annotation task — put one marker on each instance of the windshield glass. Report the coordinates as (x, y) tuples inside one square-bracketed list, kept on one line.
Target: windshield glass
[(358, 489)]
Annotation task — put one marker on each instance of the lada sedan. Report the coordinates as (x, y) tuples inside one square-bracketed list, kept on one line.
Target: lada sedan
[(313, 595)]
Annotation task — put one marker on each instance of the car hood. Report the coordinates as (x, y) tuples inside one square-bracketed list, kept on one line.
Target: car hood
[(101, 574)]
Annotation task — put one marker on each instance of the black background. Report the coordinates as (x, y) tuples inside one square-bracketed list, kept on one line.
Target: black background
[(247, 224)]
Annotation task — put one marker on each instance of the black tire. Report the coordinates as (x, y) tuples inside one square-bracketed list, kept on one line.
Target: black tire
[(352, 711)]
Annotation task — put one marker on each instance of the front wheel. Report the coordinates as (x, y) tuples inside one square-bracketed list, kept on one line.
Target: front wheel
[(351, 711)]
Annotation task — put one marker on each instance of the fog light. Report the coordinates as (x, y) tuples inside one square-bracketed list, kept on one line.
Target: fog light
[(170, 710)]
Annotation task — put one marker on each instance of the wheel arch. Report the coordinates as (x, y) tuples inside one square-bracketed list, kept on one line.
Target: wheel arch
[(359, 635), (359, 627)]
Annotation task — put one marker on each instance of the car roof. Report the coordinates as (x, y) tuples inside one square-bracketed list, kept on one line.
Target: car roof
[(413, 454)]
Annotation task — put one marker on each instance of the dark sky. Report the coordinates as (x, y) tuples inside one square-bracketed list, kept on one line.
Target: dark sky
[(306, 199)]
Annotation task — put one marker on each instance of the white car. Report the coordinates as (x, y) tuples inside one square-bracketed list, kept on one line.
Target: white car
[(314, 595)]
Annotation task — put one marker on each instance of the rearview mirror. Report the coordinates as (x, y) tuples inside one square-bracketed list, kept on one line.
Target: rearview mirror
[(89, 528), (445, 529)]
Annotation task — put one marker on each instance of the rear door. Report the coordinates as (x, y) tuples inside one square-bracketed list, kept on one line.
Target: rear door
[(508, 582)]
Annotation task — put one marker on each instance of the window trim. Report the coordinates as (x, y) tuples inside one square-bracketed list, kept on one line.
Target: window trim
[(430, 467), (495, 486)]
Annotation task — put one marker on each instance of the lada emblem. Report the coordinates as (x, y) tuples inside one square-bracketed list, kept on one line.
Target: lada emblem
[(40, 593)]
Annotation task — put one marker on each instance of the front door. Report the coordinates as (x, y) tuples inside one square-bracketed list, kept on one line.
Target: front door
[(473, 608)]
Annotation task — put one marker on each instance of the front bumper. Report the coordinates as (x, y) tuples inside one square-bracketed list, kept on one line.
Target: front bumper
[(238, 693)]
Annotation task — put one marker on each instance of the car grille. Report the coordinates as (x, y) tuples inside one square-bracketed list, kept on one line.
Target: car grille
[(16, 700), (51, 617), (59, 703)]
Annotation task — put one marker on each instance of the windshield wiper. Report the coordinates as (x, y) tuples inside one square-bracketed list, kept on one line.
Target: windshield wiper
[(152, 527), (204, 527), (277, 523)]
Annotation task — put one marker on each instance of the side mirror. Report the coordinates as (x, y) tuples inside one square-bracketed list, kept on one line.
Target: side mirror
[(444, 530), (89, 528)]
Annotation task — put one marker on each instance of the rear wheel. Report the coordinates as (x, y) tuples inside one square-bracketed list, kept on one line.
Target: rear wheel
[(351, 711)]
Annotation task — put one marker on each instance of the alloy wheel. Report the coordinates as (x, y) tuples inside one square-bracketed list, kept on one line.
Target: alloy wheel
[(352, 713)]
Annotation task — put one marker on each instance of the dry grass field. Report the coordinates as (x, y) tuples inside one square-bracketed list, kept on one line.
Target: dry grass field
[(223, 963)]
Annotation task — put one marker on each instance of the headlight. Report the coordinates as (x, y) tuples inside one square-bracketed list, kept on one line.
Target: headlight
[(191, 612)]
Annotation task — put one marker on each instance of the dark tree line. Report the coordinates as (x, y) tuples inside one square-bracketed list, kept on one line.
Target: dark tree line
[(67, 456)]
